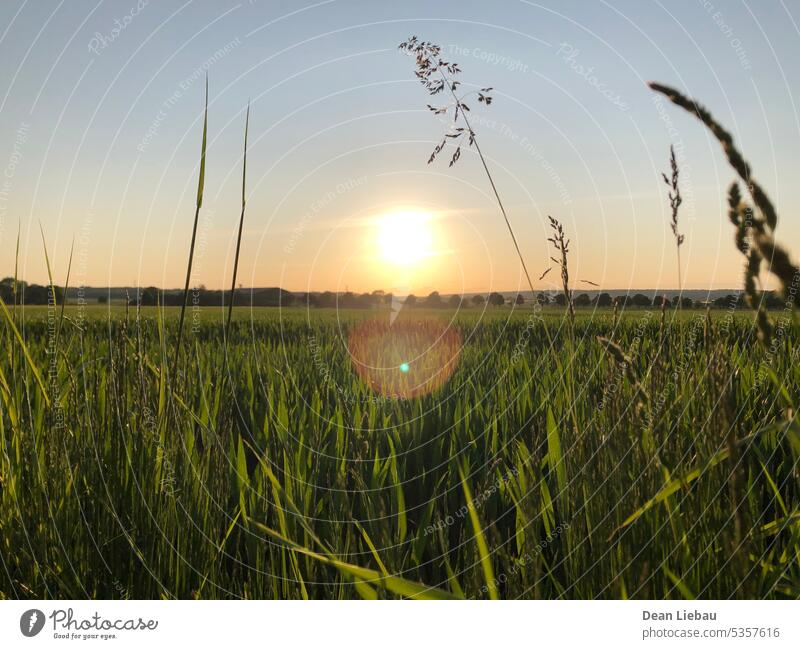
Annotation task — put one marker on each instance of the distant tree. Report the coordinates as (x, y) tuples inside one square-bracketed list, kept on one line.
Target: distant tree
[(603, 300), (560, 299), (351, 300), (478, 300), (519, 299), (495, 299), (326, 300), (366, 301), (148, 296), (273, 297), (410, 300), (658, 300), (434, 300), (641, 300), (7, 289), (348, 300), (38, 294), (542, 298), (582, 300), (686, 302), (724, 302), (455, 301)]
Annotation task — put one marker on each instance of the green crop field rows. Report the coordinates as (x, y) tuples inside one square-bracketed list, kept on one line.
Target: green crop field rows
[(663, 463)]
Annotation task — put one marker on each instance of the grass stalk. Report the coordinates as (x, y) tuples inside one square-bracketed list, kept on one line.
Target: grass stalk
[(762, 227), (675, 201), (241, 222), (198, 205)]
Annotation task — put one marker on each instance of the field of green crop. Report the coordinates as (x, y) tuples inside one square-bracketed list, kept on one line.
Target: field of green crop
[(540, 461)]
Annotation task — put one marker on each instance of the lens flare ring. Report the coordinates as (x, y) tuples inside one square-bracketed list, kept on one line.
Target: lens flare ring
[(407, 359)]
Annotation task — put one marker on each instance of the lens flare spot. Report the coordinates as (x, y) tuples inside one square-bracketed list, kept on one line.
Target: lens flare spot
[(378, 349)]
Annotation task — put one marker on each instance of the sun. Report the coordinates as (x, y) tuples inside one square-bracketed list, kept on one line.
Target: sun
[(405, 237)]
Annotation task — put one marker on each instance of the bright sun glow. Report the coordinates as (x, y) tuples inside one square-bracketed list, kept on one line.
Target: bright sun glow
[(405, 237)]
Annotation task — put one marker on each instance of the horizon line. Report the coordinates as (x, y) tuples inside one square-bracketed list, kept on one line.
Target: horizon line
[(362, 292)]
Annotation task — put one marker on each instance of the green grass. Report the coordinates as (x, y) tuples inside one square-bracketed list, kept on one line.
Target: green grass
[(240, 313), (276, 472)]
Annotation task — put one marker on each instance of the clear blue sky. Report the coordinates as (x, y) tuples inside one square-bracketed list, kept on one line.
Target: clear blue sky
[(101, 136)]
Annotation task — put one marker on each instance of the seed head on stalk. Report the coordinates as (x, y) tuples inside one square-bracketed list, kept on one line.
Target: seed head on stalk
[(741, 215), (561, 244), (675, 201), (437, 76), (758, 225)]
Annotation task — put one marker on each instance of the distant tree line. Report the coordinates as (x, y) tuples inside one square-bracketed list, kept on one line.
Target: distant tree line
[(771, 301), (27, 293), (201, 296), (434, 300)]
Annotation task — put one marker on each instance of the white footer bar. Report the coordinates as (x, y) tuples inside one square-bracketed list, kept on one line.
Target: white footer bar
[(390, 624)]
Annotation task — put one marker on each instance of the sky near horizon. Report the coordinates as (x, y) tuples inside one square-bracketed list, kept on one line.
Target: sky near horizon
[(101, 119)]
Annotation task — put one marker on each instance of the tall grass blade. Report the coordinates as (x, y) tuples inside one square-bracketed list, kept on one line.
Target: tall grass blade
[(25, 351), (241, 221), (396, 585), (200, 183), (483, 549), (64, 300)]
